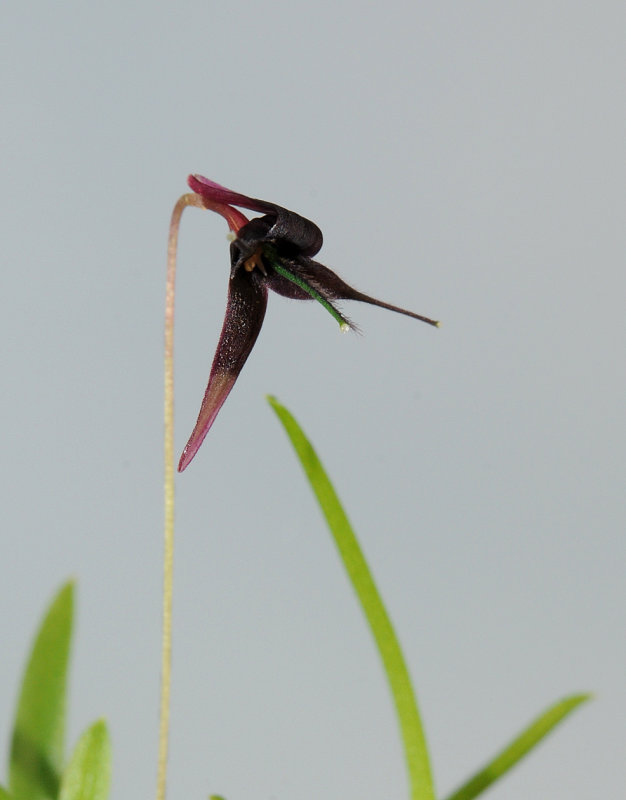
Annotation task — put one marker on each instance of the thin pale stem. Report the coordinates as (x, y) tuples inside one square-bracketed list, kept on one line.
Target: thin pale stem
[(168, 554)]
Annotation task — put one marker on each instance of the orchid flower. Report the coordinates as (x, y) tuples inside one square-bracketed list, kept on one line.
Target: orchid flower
[(274, 251)]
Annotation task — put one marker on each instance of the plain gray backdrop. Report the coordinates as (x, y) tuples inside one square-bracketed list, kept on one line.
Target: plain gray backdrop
[(463, 159)]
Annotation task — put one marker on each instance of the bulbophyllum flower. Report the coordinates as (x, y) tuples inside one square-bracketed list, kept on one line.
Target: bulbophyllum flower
[(273, 251)]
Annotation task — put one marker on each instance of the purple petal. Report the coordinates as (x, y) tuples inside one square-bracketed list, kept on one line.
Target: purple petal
[(245, 310), (220, 194), (364, 298), (330, 286), (297, 231), (287, 226)]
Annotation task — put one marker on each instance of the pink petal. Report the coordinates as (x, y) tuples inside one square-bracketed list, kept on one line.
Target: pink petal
[(213, 192)]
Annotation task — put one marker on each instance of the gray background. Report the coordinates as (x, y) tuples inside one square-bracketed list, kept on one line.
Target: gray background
[(463, 159)]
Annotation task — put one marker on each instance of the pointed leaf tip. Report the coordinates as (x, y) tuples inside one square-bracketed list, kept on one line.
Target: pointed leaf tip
[(523, 743), (37, 747), (88, 775), (416, 751)]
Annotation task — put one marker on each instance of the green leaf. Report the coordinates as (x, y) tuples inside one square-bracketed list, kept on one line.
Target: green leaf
[(88, 775), (4, 795), (37, 745), (411, 729), (518, 748)]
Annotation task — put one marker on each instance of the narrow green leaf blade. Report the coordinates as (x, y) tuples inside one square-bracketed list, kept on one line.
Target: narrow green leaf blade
[(88, 774), (4, 795), (37, 745), (518, 748), (416, 753)]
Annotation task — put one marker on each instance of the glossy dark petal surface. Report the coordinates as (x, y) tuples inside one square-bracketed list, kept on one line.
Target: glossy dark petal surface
[(245, 310), (282, 225), (329, 285)]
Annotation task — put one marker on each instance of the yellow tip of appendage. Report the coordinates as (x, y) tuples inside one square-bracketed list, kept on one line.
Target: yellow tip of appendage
[(231, 236), (344, 327), (437, 324)]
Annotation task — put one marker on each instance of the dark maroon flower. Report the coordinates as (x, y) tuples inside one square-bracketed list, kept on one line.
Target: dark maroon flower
[(274, 251)]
